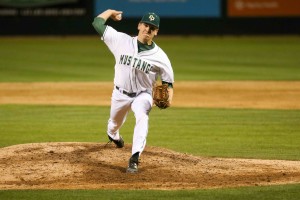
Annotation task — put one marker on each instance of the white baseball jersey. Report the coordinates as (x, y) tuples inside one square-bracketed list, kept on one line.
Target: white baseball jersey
[(134, 71)]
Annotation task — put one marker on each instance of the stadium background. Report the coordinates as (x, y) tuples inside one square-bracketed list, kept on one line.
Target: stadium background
[(214, 17)]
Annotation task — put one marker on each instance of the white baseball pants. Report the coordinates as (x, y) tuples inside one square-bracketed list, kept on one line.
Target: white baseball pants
[(120, 106)]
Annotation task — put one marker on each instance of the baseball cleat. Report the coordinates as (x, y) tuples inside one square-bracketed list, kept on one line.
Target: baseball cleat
[(119, 143), (132, 166)]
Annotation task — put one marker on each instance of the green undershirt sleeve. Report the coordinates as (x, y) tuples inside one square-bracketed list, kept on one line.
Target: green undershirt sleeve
[(99, 25), (170, 85)]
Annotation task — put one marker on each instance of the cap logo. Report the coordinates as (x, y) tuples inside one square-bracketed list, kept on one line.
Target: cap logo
[(151, 18)]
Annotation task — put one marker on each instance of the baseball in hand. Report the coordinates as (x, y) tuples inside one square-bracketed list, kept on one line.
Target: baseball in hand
[(119, 16)]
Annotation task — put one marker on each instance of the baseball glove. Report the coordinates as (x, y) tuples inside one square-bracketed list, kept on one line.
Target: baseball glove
[(161, 96)]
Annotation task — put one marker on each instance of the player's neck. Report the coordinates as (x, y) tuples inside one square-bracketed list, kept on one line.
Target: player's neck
[(144, 47), (145, 42)]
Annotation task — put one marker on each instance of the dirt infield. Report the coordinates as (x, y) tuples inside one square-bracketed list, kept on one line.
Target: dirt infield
[(96, 166), (212, 94)]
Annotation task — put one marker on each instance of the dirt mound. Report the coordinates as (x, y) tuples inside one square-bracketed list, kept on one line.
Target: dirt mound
[(97, 166)]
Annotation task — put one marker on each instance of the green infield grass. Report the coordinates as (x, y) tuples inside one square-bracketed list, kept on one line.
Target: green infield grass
[(266, 134), (193, 58)]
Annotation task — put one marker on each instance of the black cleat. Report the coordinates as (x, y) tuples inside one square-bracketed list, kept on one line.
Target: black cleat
[(119, 143), (132, 165)]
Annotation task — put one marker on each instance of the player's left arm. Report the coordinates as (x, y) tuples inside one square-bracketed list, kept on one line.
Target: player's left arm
[(170, 91)]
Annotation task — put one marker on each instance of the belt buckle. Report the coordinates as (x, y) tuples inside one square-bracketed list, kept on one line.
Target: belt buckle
[(132, 95)]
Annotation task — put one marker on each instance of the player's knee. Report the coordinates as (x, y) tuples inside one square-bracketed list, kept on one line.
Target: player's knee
[(142, 117)]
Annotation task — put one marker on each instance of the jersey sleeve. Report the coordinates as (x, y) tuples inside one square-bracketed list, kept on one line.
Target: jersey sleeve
[(167, 74), (113, 39), (165, 68)]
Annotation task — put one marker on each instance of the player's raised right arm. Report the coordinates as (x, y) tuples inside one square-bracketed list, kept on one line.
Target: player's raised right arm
[(113, 14), (99, 21)]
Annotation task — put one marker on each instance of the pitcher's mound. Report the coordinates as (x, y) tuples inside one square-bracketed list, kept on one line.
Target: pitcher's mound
[(96, 166)]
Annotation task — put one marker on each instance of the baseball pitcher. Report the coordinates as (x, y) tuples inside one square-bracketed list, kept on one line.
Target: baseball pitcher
[(139, 61)]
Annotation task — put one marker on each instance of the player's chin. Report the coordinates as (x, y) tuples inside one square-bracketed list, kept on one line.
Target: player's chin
[(146, 35)]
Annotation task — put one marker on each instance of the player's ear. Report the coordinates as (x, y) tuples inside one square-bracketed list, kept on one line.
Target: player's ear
[(156, 31)]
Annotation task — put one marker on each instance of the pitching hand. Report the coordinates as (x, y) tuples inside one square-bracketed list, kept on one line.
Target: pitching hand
[(116, 15)]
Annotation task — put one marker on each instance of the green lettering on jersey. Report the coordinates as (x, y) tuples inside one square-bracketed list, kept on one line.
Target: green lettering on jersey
[(135, 59), (121, 59), (143, 68), (138, 66), (125, 60), (136, 63), (129, 60)]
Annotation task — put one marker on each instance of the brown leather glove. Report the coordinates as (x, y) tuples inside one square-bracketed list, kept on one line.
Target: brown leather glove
[(161, 96)]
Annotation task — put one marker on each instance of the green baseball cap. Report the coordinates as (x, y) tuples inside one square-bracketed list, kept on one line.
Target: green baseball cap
[(151, 18)]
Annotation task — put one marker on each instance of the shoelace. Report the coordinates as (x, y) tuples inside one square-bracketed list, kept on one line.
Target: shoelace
[(108, 143)]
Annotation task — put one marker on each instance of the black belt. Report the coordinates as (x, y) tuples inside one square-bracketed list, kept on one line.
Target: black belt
[(134, 94)]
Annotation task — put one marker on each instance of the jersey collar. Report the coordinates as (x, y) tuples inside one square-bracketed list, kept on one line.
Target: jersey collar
[(147, 52)]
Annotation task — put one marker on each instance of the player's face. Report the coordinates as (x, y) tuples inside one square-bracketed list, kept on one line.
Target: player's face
[(146, 32)]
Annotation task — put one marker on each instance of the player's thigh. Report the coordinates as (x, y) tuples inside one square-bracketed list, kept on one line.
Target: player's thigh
[(142, 103), (120, 105)]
